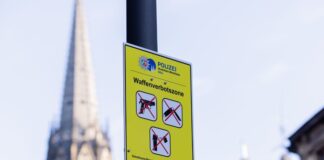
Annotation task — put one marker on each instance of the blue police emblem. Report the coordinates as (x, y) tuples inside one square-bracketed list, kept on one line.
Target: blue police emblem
[(147, 64)]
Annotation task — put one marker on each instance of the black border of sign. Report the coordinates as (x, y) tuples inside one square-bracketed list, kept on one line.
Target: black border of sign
[(163, 101), (156, 105), (124, 86), (151, 140)]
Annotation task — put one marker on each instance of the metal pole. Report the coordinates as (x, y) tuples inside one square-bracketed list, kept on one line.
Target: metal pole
[(142, 23)]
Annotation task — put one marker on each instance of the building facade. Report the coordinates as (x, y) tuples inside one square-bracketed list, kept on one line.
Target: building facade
[(79, 136), (308, 141)]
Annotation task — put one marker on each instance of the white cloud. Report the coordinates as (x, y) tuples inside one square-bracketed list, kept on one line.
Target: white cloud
[(311, 12), (179, 2), (203, 86), (274, 73)]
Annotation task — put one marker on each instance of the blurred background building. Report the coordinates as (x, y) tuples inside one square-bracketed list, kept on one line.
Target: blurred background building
[(308, 140), (79, 136)]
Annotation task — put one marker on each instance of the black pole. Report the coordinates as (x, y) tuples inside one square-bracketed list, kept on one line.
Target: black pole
[(141, 23)]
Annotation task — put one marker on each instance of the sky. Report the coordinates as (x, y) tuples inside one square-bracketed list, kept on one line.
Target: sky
[(257, 65)]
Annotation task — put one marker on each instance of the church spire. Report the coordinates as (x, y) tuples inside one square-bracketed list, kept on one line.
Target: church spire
[(79, 102), (79, 135)]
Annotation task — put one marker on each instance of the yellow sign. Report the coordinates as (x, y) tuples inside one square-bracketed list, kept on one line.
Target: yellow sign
[(158, 106)]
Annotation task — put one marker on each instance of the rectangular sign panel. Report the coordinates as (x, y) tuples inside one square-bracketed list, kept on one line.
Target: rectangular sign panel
[(158, 106)]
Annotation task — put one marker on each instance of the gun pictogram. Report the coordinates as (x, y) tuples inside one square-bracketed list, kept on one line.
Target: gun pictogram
[(145, 104)]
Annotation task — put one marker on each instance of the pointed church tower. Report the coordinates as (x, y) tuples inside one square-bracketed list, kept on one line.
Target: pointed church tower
[(79, 136)]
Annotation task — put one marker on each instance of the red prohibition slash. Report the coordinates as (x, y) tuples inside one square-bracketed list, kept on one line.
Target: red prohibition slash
[(146, 105), (172, 113), (160, 140)]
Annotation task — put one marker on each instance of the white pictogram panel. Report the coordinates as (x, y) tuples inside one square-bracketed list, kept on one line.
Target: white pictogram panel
[(172, 113), (160, 141), (146, 105)]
